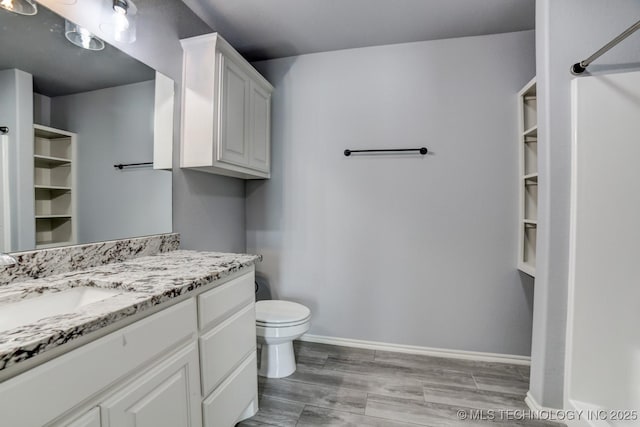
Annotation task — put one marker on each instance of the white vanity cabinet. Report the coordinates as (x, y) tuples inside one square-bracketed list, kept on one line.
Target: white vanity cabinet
[(226, 111), (88, 419), (188, 365), (168, 395)]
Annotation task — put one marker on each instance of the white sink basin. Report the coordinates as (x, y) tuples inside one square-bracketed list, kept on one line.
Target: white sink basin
[(33, 309)]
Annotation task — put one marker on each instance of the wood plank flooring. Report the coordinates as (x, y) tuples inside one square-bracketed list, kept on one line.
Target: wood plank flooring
[(343, 386)]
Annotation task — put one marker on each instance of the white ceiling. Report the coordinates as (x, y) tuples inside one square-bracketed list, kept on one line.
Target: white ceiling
[(263, 29)]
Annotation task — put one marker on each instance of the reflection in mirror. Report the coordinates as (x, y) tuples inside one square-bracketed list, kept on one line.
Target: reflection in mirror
[(72, 114)]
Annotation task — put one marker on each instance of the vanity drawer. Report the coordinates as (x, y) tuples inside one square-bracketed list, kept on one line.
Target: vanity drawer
[(224, 347), (219, 303), (227, 403)]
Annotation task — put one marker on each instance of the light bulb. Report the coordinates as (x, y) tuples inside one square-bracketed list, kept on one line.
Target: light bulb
[(7, 4), (85, 37), (120, 7), (122, 23)]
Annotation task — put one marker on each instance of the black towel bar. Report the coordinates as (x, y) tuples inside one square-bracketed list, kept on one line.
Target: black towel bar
[(126, 165), (421, 150)]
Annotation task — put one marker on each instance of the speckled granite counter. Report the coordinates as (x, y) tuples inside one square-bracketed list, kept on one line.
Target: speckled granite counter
[(145, 282)]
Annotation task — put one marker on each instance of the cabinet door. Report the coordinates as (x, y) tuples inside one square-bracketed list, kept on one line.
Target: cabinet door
[(166, 396), (233, 144), (260, 123)]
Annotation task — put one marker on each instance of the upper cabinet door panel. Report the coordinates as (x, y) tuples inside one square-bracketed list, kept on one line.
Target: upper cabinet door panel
[(234, 111), (260, 128)]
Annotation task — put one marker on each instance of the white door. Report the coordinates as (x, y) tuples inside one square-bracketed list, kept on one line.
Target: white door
[(166, 396), (5, 205), (260, 120), (234, 129)]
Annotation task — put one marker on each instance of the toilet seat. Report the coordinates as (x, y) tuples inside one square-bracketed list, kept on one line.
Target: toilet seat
[(282, 325), (281, 314)]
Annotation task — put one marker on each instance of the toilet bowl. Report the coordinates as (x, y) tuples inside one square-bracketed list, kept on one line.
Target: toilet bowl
[(278, 323)]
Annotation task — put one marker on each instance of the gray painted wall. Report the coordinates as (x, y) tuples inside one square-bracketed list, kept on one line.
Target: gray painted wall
[(567, 31), (399, 249), (208, 210), (16, 112), (41, 109), (114, 126)]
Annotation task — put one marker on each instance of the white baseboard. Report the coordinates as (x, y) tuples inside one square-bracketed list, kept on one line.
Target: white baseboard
[(552, 414), (412, 349), (533, 404)]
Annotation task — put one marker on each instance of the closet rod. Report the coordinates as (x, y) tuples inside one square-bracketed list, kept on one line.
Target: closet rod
[(579, 67), (126, 165), (422, 150)]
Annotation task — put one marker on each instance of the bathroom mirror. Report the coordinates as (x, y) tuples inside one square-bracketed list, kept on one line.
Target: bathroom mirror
[(71, 115)]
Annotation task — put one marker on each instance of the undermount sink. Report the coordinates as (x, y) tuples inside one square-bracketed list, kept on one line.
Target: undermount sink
[(33, 309)]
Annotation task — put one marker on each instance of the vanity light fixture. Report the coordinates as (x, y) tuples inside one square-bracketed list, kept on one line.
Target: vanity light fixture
[(82, 37), (21, 7), (120, 7), (119, 19)]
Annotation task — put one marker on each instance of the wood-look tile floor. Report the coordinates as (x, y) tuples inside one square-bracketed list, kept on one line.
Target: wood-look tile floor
[(343, 386)]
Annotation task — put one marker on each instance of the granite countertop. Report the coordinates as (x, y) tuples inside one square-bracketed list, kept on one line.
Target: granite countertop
[(145, 282)]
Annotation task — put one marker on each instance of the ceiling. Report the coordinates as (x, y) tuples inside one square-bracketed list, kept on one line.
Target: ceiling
[(265, 29), (36, 44)]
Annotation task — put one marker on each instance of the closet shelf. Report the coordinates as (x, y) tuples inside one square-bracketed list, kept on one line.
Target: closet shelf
[(50, 161), (526, 267), (531, 179), (52, 187), (531, 132), (52, 244), (53, 216)]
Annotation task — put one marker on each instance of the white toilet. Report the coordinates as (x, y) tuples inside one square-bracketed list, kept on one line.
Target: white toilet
[(278, 323)]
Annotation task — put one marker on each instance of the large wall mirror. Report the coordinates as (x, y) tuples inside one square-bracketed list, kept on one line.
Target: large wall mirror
[(69, 114)]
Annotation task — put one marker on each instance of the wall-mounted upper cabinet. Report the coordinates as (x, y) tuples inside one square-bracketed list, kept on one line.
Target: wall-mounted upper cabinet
[(226, 111)]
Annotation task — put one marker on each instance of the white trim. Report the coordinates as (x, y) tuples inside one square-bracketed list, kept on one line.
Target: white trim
[(413, 349), (533, 404), (5, 195), (557, 415), (573, 214)]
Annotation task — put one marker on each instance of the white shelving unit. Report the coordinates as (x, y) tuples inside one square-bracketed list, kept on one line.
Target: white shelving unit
[(528, 159), (54, 183)]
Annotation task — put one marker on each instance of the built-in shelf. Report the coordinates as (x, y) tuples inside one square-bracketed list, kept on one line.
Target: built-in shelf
[(528, 161), (52, 187), (54, 181), (528, 268), (53, 244), (531, 179), (49, 161), (531, 132)]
